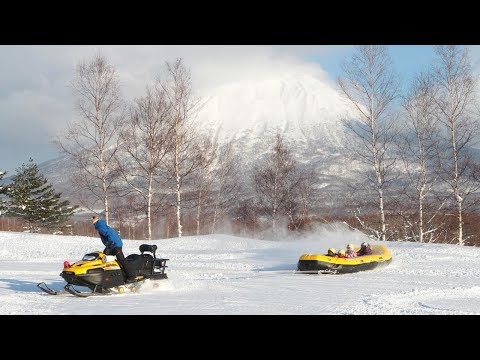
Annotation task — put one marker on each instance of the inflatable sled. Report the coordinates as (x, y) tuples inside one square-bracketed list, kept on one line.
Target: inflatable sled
[(321, 263)]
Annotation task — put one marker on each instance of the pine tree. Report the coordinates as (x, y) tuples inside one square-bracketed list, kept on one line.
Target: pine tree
[(3, 189), (35, 201)]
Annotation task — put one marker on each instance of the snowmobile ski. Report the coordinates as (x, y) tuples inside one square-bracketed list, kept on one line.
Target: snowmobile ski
[(70, 289), (73, 291), (50, 291)]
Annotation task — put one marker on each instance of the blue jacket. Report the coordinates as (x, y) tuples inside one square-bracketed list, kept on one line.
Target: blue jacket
[(109, 236)]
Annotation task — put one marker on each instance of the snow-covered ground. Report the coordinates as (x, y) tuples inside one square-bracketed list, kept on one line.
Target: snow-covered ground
[(220, 274)]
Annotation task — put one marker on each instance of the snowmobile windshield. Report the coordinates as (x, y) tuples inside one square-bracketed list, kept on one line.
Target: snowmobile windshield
[(90, 257)]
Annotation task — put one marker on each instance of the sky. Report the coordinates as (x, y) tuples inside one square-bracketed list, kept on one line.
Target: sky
[(36, 102), (227, 275)]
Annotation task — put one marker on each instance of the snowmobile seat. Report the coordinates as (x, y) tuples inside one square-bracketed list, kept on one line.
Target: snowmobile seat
[(149, 248)]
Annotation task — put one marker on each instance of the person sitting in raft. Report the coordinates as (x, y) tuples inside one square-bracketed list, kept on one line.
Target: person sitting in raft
[(365, 249), (332, 252), (350, 253), (341, 253)]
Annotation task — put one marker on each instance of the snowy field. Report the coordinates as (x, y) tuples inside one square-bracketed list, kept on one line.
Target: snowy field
[(220, 274)]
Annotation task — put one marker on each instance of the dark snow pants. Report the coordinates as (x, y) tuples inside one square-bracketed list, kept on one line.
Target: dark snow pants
[(129, 271)]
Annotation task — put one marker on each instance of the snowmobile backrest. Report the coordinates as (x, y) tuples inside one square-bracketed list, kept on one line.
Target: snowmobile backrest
[(149, 248)]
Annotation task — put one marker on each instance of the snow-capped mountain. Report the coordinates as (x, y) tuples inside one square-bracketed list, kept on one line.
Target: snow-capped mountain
[(305, 108)]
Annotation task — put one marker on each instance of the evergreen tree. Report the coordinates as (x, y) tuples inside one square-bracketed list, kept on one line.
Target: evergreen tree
[(35, 201), (3, 189)]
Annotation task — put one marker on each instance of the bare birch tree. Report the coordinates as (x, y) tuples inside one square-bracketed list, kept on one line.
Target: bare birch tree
[(216, 182), (371, 85), (145, 142), (455, 100), (92, 141), (303, 196), (276, 181), (418, 152), (204, 177), (184, 106), (226, 186)]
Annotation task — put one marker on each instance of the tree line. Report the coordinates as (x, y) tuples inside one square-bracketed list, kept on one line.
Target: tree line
[(157, 174)]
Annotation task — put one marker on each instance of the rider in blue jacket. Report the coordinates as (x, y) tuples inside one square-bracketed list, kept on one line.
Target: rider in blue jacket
[(113, 245), (109, 236)]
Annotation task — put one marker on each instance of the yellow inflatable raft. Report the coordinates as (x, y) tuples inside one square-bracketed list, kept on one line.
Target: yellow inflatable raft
[(322, 263)]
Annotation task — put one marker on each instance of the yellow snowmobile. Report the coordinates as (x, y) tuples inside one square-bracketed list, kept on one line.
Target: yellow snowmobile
[(101, 273)]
